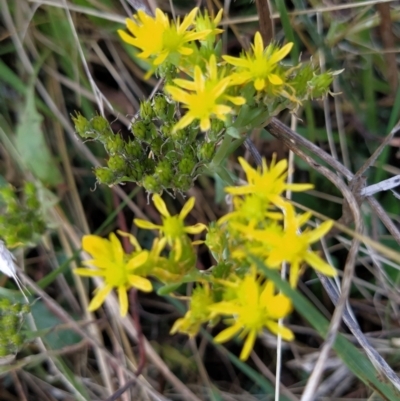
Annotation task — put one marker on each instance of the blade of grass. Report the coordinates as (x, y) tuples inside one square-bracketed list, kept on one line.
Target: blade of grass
[(287, 28)]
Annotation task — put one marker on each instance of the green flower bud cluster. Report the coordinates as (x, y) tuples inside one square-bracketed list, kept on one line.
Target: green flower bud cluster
[(156, 156), (11, 317), (21, 218)]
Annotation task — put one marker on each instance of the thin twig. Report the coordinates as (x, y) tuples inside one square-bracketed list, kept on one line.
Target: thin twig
[(371, 160)]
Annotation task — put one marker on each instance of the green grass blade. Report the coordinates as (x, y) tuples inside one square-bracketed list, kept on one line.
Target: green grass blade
[(287, 28)]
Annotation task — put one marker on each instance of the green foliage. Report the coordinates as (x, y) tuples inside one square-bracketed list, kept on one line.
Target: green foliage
[(154, 156), (11, 318), (21, 220)]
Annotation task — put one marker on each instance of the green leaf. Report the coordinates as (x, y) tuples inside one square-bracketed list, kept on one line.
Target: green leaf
[(45, 319), (355, 360), (168, 288), (31, 144)]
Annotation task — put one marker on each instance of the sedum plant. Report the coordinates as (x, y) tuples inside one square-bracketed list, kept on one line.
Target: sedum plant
[(208, 102), (262, 224)]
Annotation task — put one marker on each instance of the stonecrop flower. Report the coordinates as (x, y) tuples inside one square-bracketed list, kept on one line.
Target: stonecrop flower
[(197, 314), (204, 97), (116, 268), (159, 38), (290, 245), (266, 182), (205, 23), (259, 65), (173, 229), (253, 307)]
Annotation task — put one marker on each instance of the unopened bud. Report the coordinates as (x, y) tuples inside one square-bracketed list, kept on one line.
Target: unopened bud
[(151, 184)]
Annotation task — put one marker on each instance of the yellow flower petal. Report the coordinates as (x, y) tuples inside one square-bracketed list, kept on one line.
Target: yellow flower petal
[(178, 94), (248, 345), (137, 261), (187, 208), (282, 53), (97, 247), (205, 124), (258, 44), (275, 79), (228, 333), (283, 331), (183, 122), (259, 84), (88, 272), (123, 300), (132, 239), (188, 20), (147, 225), (140, 283), (224, 308), (319, 264), (117, 249), (196, 229), (127, 38), (183, 83), (99, 298), (235, 61), (160, 205), (319, 232)]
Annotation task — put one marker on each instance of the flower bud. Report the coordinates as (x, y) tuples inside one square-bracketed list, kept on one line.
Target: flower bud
[(319, 85), (8, 321), (179, 135), (146, 111), (139, 130), (166, 128), (164, 172), (117, 163), (156, 145), (206, 151), (186, 165), (17, 340), (114, 144), (82, 125), (152, 131), (151, 184), (216, 127), (105, 176), (4, 305), (182, 182), (99, 124), (25, 308), (134, 149), (149, 165), (136, 171), (102, 127), (31, 199), (160, 106)]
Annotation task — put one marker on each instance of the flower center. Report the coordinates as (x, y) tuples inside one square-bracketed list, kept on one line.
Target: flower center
[(253, 318), (173, 227), (116, 275), (172, 40)]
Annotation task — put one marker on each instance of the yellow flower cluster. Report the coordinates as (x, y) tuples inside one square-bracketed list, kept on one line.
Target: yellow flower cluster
[(123, 271), (207, 94), (218, 92), (262, 224)]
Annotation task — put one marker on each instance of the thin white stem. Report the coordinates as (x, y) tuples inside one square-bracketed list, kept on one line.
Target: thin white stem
[(384, 185), (283, 275)]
